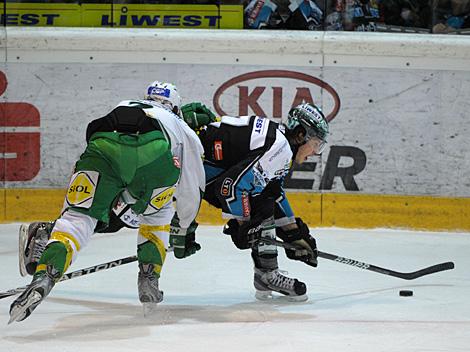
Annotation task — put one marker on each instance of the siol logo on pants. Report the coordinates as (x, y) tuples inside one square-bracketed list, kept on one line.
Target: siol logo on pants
[(161, 198), (82, 188)]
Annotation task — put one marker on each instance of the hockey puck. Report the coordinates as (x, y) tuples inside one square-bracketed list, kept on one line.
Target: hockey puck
[(406, 293)]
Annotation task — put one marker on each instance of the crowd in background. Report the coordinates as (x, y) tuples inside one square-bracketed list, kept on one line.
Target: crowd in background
[(415, 16), (418, 16)]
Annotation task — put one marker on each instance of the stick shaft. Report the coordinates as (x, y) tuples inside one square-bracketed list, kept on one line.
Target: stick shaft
[(366, 266), (77, 273)]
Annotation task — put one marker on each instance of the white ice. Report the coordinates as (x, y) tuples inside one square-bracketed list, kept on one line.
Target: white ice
[(209, 302)]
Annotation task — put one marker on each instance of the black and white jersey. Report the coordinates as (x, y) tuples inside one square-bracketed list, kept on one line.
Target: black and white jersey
[(242, 155)]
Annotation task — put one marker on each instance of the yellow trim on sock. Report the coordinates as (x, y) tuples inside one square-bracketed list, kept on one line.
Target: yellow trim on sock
[(41, 267), (147, 231), (157, 269), (64, 238), (154, 228)]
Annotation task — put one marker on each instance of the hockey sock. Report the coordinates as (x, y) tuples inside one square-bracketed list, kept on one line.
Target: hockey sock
[(57, 255), (153, 249)]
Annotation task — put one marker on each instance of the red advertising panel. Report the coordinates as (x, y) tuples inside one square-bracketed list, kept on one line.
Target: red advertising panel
[(19, 139)]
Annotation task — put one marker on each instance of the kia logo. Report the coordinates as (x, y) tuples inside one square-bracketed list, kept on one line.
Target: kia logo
[(268, 93)]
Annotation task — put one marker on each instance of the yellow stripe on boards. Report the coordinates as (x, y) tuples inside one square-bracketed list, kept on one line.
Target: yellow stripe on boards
[(352, 210), (25, 205), (391, 211)]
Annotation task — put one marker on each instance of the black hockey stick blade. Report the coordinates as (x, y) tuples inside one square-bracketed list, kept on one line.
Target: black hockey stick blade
[(77, 273), (366, 266)]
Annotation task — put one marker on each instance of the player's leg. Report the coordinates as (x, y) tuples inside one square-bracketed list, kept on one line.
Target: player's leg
[(33, 237), (157, 181), (267, 276), (71, 231), (90, 193)]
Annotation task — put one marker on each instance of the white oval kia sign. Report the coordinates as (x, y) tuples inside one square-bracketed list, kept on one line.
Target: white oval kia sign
[(272, 93)]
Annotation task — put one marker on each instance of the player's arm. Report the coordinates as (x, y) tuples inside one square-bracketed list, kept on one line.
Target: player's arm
[(189, 193), (293, 230)]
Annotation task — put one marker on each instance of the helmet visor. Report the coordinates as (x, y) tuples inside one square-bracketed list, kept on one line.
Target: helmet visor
[(317, 144)]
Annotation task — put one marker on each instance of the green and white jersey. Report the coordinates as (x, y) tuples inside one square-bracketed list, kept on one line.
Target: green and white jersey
[(187, 154)]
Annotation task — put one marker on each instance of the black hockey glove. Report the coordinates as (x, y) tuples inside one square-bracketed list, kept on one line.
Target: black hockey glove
[(301, 237), (183, 240), (262, 208), (243, 236)]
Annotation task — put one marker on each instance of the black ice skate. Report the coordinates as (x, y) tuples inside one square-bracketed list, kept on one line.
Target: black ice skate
[(32, 242), (266, 281), (147, 283), (34, 294)]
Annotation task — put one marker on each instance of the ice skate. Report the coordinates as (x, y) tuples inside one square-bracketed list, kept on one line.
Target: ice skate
[(267, 281), (37, 290), (32, 242), (149, 294)]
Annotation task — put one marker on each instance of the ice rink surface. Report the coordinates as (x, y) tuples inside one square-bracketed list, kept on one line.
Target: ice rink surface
[(209, 302)]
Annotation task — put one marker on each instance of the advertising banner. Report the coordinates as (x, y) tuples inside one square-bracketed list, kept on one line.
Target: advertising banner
[(122, 15), (393, 132)]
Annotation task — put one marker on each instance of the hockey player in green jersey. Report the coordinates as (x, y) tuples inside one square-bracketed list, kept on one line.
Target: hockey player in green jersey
[(142, 152)]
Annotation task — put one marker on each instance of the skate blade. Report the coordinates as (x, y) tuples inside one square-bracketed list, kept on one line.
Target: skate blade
[(263, 295), (302, 298), (149, 308), (268, 296), (22, 238), (18, 312)]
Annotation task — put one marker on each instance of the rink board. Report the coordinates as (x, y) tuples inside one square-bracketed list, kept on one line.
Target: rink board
[(397, 105), (318, 210)]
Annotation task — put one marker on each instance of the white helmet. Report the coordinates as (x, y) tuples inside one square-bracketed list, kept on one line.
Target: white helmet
[(165, 93)]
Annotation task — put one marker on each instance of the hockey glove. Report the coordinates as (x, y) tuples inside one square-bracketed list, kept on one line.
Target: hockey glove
[(197, 115), (301, 237), (262, 207), (244, 235), (183, 240)]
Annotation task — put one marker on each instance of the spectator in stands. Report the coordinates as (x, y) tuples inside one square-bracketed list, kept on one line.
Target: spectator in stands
[(451, 15), (353, 15), (407, 13), (284, 14)]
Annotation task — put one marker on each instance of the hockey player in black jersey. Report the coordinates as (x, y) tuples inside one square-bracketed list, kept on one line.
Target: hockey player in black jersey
[(246, 160)]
